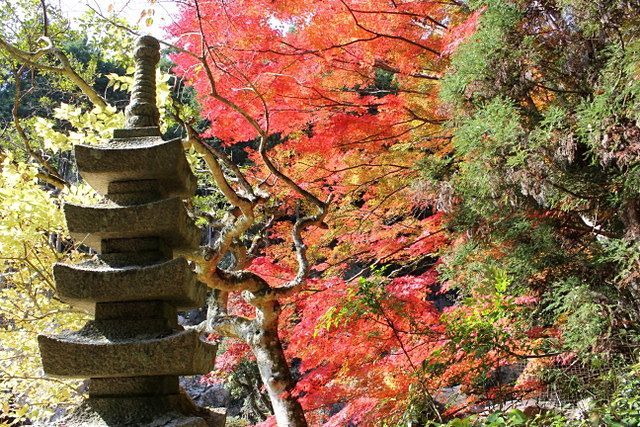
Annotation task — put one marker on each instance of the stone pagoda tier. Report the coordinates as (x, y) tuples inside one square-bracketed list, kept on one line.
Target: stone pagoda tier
[(134, 350)]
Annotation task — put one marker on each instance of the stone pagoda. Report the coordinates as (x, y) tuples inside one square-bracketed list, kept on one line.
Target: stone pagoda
[(134, 350)]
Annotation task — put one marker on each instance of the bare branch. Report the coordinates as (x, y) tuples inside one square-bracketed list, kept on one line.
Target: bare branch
[(50, 175), (235, 281), (45, 19), (31, 59), (401, 13), (191, 133), (246, 206), (301, 249), (391, 36), (229, 326), (272, 168), (72, 75)]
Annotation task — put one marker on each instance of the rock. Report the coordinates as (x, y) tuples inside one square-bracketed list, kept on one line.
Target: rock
[(205, 394), (166, 219), (134, 350), (83, 285), (138, 158), (86, 354)]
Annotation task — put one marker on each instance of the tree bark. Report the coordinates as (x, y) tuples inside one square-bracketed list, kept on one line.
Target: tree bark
[(261, 334), (276, 376)]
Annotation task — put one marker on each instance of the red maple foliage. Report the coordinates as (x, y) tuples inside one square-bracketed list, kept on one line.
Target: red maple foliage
[(346, 90)]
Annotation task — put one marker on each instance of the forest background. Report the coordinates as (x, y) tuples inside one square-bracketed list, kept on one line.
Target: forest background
[(431, 208)]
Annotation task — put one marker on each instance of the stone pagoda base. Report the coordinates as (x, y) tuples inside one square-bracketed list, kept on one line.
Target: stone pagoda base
[(174, 410)]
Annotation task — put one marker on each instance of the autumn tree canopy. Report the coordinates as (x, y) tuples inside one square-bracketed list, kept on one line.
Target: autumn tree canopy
[(330, 92)]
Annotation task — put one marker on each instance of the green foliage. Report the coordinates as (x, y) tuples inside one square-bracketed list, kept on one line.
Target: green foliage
[(575, 307), (511, 418), (362, 299), (488, 321), (622, 410), (545, 103), (492, 134), (601, 121), (112, 41), (544, 175), (209, 204), (625, 255), (90, 127), (245, 385), (476, 59)]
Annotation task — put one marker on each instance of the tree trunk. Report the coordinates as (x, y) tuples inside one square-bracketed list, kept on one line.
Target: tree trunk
[(276, 376)]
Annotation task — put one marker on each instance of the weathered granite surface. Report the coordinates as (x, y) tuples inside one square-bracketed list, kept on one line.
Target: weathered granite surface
[(134, 350), (166, 219), (174, 410), (140, 158), (93, 353), (134, 386), (85, 284), (141, 251), (142, 110)]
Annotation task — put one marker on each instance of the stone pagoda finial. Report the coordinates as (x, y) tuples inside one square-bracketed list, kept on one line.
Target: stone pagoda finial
[(142, 110)]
